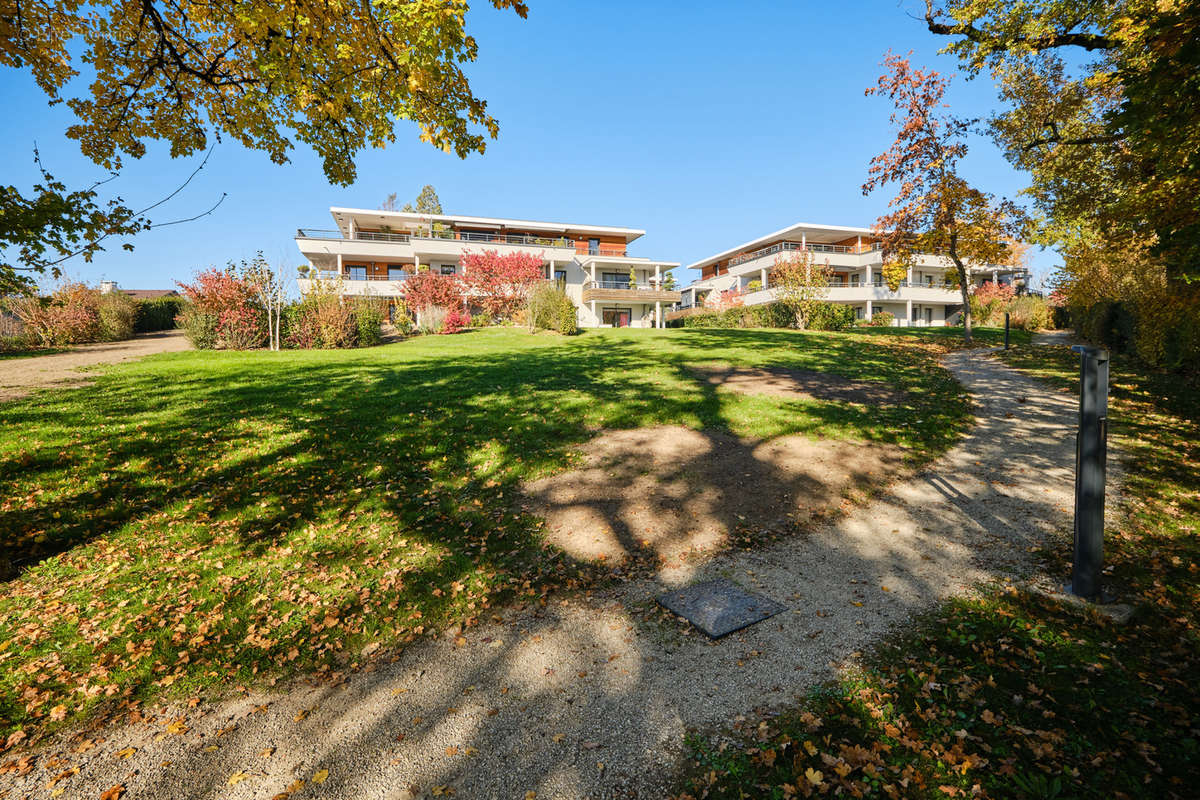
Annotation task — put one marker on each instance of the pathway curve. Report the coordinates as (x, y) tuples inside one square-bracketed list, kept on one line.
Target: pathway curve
[(592, 697), (21, 376)]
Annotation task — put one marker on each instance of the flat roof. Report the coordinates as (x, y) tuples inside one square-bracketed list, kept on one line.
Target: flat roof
[(812, 232), (342, 217)]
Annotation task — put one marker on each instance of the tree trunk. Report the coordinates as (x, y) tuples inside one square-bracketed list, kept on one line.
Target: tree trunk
[(966, 298)]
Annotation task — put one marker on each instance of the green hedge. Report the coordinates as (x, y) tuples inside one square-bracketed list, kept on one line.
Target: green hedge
[(158, 314), (824, 317)]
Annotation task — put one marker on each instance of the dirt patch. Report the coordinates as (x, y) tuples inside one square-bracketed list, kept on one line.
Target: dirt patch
[(800, 385), (21, 376), (671, 491)]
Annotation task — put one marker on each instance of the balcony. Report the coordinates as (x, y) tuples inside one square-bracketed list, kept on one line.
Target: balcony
[(496, 238), (362, 236), (622, 291), (616, 250), (812, 247)]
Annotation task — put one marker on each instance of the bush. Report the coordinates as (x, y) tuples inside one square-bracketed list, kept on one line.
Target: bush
[(369, 313), (772, 315), (241, 328), (830, 317), (550, 309), (884, 319), (483, 319), (199, 326), (455, 321), (320, 320), (1028, 312), (117, 312), (1060, 317), (159, 314)]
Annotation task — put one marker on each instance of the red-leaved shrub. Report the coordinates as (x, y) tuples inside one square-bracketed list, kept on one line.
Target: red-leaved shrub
[(455, 321)]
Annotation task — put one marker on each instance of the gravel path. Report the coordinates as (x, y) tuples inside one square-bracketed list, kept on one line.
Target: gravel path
[(21, 376), (591, 697)]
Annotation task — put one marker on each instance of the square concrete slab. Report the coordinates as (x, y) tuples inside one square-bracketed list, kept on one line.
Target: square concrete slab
[(719, 607)]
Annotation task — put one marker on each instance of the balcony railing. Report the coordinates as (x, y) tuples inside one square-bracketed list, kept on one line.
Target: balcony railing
[(332, 275), (647, 286), (366, 236), (600, 250), (497, 238), (812, 247)]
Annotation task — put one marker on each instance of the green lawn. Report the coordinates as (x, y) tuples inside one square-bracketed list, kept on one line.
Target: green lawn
[(198, 521), (1011, 695)]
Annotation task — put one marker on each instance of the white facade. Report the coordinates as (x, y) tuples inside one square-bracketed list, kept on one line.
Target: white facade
[(924, 298), (372, 253)]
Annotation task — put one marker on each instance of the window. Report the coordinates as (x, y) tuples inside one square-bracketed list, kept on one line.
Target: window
[(615, 280), (929, 280), (446, 269), (560, 277), (396, 272), (593, 247), (356, 273)]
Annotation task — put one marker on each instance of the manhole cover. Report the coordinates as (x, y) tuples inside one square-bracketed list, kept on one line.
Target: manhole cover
[(719, 607)]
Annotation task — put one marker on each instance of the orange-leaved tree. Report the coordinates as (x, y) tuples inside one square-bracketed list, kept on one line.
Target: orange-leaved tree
[(935, 211)]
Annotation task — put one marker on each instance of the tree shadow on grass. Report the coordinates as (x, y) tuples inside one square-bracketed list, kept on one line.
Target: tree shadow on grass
[(250, 505)]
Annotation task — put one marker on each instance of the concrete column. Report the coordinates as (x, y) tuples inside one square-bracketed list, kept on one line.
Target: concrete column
[(595, 319), (763, 277), (803, 241), (908, 314), (658, 275), (416, 263), (339, 264), (859, 248), (995, 276), (550, 271), (870, 277), (658, 314), (593, 265), (910, 281)]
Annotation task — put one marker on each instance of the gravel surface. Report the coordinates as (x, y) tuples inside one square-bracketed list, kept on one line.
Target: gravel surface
[(21, 376), (592, 696)]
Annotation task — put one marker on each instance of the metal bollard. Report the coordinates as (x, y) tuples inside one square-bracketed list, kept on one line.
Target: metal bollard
[(1091, 450), (1005, 330)]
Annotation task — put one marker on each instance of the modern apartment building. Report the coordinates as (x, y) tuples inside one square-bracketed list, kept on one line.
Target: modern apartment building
[(856, 261), (374, 252)]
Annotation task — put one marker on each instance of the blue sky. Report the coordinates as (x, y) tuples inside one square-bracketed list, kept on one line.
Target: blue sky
[(706, 127)]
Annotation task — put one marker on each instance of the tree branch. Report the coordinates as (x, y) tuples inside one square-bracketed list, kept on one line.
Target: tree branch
[(1049, 41)]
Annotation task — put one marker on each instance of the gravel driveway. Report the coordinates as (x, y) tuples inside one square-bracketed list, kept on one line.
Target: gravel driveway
[(21, 376), (592, 696)]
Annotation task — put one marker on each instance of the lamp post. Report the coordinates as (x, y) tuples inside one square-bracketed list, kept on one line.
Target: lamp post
[(1091, 446)]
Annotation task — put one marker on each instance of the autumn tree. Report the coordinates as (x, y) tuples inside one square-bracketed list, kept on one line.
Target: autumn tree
[(429, 289), (1099, 108), (268, 75), (935, 212), (800, 284), (501, 284)]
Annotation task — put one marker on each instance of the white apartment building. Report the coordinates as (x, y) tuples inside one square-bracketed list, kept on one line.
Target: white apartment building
[(372, 252), (856, 260)]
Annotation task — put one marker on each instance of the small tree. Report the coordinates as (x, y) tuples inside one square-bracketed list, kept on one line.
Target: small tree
[(668, 283), (501, 284), (632, 278), (800, 284), (272, 293), (934, 210)]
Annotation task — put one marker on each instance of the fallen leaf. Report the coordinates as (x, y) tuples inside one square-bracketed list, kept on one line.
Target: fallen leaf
[(238, 777), (114, 792), (320, 776), (126, 753), (814, 776)]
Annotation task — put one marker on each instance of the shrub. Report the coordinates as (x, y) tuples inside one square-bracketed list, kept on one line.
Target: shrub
[(772, 315), (830, 317), (116, 311), (74, 314), (241, 328), (483, 318), (321, 320), (454, 321), (199, 326), (159, 314), (550, 309), (369, 313), (1029, 312), (884, 319)]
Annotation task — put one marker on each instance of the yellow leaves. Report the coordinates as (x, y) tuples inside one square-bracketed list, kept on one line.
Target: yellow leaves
[(558, 737), (451, 751), (113, 792), (237, 778), (814, 776), (177, 727), (320, 776), (58, 713), (300, 715), (126, 753), (810, 747)]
